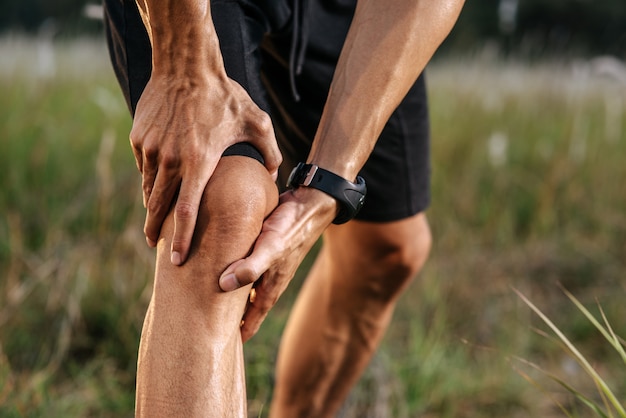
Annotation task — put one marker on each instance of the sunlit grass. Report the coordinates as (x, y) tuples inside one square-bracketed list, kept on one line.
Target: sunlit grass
[(610, 404), (528, 189)]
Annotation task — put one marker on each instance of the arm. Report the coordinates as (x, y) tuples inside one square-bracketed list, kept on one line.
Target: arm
[(188, 114), (387, 47)]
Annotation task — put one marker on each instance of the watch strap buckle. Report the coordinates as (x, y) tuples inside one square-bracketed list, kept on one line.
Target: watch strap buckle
[(310, 174)]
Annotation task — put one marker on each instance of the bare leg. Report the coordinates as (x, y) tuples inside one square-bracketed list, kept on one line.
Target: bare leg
[(190, 356), (343, 312)]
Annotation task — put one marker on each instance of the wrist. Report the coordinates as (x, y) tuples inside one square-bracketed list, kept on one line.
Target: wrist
[(349, 196), (316, 202), (192, 52)]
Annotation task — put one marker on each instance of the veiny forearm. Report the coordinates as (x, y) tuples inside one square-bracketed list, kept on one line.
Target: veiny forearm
[(184, 42), (189, 112), (388, 46)]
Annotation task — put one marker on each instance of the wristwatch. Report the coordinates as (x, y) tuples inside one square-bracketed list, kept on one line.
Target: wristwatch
[(351, 196)]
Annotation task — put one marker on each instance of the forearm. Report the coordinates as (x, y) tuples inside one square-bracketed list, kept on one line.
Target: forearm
[(387, 47), (184, 41)]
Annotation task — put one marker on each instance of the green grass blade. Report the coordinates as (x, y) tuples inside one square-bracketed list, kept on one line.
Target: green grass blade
[(604, 388), (581, 397), (606, 332), (565, 348), (535, 383), (619, 347)]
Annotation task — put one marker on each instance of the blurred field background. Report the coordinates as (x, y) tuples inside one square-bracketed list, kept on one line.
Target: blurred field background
[(529, 190)]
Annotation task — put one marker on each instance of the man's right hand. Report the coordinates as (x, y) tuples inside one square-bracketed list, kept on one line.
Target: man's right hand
[(180, 130)]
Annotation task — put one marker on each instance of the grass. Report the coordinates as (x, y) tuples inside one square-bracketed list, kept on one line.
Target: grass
[(528, 189), (610, 404)]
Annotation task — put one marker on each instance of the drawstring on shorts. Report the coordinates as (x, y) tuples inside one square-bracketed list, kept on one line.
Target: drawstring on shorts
[(299, 41)]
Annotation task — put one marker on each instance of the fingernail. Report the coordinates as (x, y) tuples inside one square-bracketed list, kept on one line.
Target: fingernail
[(176, 258), (229, 282)]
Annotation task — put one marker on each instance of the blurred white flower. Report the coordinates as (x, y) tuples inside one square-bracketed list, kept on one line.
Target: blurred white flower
[(497, 148)]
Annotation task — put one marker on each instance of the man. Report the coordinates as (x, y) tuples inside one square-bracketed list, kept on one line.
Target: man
[(340, 82)]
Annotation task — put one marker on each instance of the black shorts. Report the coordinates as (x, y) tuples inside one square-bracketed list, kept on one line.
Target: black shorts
[(285, 58)]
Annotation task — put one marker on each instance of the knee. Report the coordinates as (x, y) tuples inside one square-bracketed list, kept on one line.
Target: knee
[(239, 192), (415, 249), (238, 197), (390, 258), (400, 258)]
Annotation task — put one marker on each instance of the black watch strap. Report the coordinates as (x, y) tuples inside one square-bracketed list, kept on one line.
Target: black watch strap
[(351, 196)]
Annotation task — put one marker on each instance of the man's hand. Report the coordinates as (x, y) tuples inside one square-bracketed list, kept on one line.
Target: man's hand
[(180, 130), (287, 236)]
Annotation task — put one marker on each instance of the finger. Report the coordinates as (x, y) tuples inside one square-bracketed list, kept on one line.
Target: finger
[(265, 142), (250, 269), (149, 173), (271, 154), (138, 157), (135, 145), (186, 214), (159, 204), (252, 321), (266, 293), (228, 280)]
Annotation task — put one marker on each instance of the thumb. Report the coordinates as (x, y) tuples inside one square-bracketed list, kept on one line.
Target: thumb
[(233, 279), (246, 270), (250, 269)]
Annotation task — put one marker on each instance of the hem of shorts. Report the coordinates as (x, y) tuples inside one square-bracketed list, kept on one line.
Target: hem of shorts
[(382, 217)]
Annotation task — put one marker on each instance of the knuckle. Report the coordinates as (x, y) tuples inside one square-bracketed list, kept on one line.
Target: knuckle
[(185, 211), (265, 123), (265, 304), (195, 156), (150, 231), (178, 243), (135, 139), (154, 205), (245, 277), (279, 159)]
